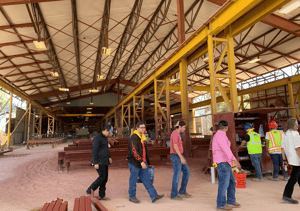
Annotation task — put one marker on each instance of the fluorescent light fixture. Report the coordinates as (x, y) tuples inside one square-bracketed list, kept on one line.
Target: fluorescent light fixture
[(89, 108), (205, 59), (64, 89), (106, 51), (88, 112), (254, 61), (290, 8), (173, 80), (172, 116), (40, 45), (100, 77), (68, 103), (152, 103), (93, 90), (91, 103), (54, 74)]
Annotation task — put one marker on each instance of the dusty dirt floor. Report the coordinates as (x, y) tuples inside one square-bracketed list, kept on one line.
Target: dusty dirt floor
[(29, 178)]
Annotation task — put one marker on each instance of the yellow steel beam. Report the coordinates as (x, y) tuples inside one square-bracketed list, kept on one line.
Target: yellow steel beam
[(86, 115), (232, 73), (10, 88), (212, 74), (223, 93), (28, 123), (194, 88), (229, 14), (291, 96), (282, 82)]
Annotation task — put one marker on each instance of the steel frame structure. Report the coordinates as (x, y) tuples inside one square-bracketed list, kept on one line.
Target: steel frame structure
[(51, 127), (37, 124), (125, 113), (138, 109)]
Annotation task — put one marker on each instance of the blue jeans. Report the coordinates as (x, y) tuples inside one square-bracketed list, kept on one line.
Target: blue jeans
[(256, 162), (278, 162), (144, 175), (177, 169), (226, 183)]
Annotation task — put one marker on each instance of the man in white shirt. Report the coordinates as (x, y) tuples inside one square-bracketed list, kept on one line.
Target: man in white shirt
[(291, 153)]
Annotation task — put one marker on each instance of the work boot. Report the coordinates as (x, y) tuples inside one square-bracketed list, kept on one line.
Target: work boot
[(289, 200), (235, 205), (104, 198), (186, 195), (225, 208), (177, 198), (158, 197), (135, 200), (273, 179)]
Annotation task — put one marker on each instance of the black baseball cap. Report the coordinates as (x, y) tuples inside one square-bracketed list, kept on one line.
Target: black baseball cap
[(223, 123)]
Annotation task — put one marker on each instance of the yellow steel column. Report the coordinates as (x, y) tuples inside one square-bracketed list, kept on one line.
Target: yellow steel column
[(40, 124), (212, 74), (291, 95), (122, 121), (28, 127), (143, 109), (9, 119), (129, 115), (156, 112), (134, 110), (34, 125), (194, 122), (232, 73), (185, 105), (53, 126), (168, 106)]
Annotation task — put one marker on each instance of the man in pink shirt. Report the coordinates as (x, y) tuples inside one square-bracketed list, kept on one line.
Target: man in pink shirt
[(179, 163), (224, 158)]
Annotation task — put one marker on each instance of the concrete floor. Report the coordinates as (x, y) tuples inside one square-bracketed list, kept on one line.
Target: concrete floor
[(29, 178)]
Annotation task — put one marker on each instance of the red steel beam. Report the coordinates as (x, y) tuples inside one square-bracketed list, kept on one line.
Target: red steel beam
[(22, 65), (16, 43), (23, 25), (25, 73), (29, 79), (25, 90), (74, 98), (71, 89), (14, 2), (36, 83), (22, 55)]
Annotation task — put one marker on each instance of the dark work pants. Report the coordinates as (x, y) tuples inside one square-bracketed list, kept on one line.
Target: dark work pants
[(295, 177), (101, 180)]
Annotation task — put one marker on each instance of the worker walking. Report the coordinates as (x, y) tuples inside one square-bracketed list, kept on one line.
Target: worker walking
[(254, 150), (273, 149), (223, 157), (179, 163), (138, 162), (291, 153), (101, 159)]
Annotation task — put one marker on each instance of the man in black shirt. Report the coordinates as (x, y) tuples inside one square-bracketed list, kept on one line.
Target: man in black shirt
[(101, 159)]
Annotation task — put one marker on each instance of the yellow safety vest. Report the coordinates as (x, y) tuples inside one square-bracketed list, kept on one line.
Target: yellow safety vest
[(254, 145), (275, 138)]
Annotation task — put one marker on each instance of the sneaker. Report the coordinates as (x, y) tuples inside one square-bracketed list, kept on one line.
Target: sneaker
[(88, 192), (158, 197), (135, 200), (178, 198), (104, 198), (286, 178), (289, 200), (273, 179), (186, 195), (257, 180)]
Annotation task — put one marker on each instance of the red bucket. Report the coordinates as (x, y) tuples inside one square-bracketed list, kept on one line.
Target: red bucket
[(240, 180)]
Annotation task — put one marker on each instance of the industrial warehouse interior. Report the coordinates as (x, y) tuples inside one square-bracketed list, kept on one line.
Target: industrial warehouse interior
[(76, 73)]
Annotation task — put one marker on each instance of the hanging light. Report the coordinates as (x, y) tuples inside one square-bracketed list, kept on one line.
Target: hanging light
[(68, 103), (205, 59), (88, 112), (64, 89), (89, 108), (100, 77), (254, 60), (40, 45), (54, 74), (106, 51), (93, 90)]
